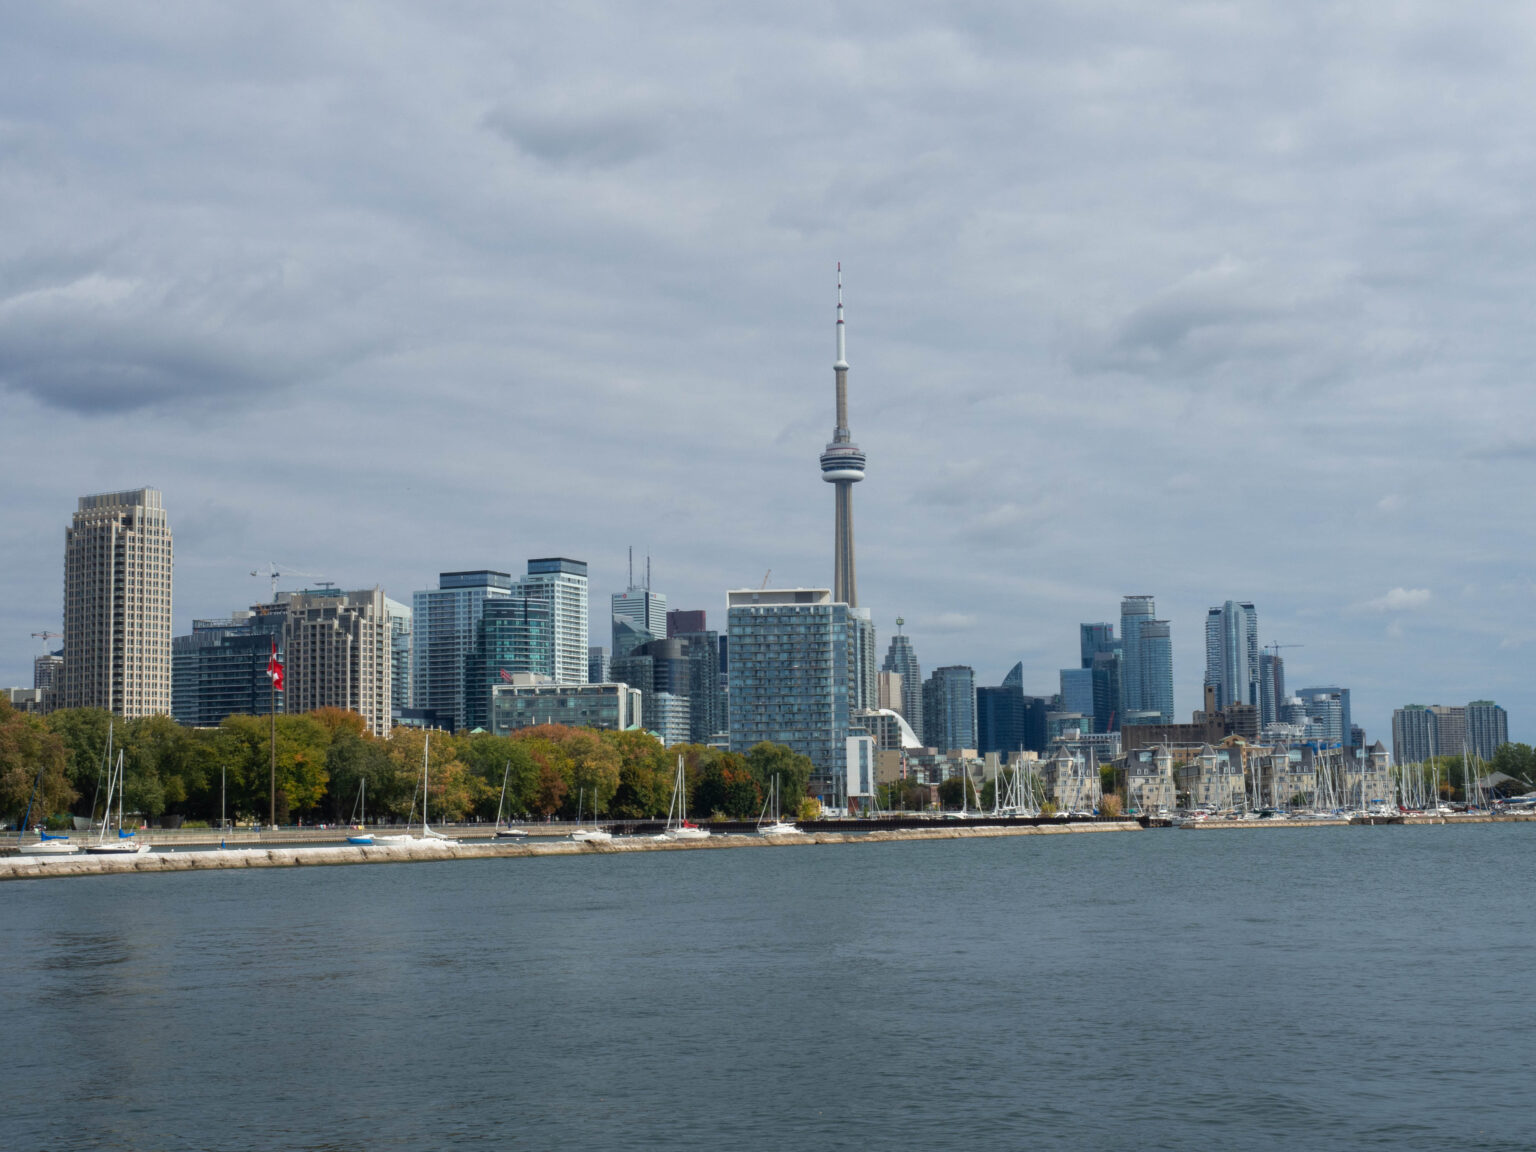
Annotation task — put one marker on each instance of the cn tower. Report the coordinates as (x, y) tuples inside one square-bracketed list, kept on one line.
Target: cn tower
[(842, 465)]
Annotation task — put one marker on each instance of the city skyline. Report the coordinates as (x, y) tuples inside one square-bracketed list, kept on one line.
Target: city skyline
[(1191, 354)]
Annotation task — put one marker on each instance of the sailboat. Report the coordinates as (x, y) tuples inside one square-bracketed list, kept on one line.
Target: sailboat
[(125, 844), (507, 833), (44, 845), (427, 834), (779, 826), (362, 822), (681, 829), (589, 835)]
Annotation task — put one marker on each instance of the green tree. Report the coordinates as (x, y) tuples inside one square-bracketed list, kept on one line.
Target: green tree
[(952, 792), (727, 787), (84, 732), (645, 775), (29, 747), (767, 760), (1517, 760)]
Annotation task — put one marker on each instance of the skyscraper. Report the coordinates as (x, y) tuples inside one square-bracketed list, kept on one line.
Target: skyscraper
[(1487, 728), (900, 657), (1093, 639), (949, 708), (400, 686), (1232, 653), (639, 615), (842, 465), (515, 634), (220, 669), (1156, 657), (445, 623), (1000, 719), (1271, 687), (789, 675), (1134, 611), (337, 654), (1337, 730), (117, 605), (1146, 678), (563, 582)]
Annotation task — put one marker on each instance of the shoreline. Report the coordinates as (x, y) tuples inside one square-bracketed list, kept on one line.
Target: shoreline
[(33, 867)]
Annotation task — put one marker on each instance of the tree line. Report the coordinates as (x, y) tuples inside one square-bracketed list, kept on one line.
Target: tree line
[(327, 761)]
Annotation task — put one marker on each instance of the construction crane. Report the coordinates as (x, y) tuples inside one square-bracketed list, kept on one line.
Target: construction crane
[(765, 579), (274, 573), (47, 636), (1277, 647)]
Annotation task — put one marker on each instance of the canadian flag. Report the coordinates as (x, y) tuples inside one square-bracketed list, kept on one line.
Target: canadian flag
[(275, 669), (507, 676)]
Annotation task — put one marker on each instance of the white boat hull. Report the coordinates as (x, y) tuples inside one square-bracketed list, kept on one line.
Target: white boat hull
[(49, 848)]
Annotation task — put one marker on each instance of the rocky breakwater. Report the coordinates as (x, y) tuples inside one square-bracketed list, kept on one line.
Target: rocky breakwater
[(422, 851)]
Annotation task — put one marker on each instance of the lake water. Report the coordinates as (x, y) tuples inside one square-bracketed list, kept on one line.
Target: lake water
[(1285, 988)]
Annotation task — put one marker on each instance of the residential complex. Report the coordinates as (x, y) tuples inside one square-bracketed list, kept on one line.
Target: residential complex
[(117, 605)]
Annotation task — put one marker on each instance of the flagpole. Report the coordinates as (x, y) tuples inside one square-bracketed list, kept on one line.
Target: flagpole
[(272, 681)]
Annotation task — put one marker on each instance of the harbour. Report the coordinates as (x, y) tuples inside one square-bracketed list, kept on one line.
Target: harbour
[(951, 992)]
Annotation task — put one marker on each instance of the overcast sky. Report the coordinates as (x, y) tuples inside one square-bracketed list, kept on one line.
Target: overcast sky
[(1209, 301)]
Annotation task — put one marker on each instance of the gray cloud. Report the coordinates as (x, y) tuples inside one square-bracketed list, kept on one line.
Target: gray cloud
[(1138, 301)]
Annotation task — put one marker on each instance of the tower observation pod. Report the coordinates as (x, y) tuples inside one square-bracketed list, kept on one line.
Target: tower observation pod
[(842, 466)]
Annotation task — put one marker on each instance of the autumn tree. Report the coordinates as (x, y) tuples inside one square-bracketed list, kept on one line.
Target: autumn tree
[(32, 755)]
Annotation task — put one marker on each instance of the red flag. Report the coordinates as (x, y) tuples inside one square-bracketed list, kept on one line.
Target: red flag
[(507, 676), (275, 669)]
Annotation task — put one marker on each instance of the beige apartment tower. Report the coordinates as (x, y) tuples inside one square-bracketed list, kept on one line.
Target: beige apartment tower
[(117, 605), (337, 650)]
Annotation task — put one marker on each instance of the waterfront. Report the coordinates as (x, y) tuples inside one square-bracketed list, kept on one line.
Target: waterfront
[(1327, 988)]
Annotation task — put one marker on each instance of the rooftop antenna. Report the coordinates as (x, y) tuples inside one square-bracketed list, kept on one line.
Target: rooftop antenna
[(647, 573), (631, 565), (899, 623)]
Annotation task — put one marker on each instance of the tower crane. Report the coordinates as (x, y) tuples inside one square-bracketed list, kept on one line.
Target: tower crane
[(47, 636), (274, 573)]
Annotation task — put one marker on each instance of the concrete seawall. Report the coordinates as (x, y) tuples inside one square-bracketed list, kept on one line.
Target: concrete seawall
[(33, 867)]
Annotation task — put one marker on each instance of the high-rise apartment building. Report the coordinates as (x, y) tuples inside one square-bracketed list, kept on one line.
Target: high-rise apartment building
[(1155, 675), (1000, 720), (337, 650), (563, 582), (1487, 728), (117, 604), (400, 653), (900, 657), (445, 624), (662, 672), (48, 679), (220, 669), (949, 708), (516, 634), (1232, 653), (708, 721), (789, 675), (1326, 711), (1316, 699), (863, 688), (1134, 612), (1271, 687), (598, 659)]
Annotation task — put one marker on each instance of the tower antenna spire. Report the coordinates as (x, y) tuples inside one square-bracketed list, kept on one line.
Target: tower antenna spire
[(842, 465)]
